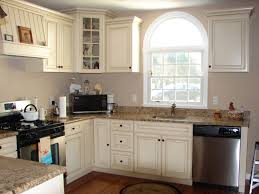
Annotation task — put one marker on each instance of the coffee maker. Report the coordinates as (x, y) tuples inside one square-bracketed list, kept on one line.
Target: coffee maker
[(110, 103)]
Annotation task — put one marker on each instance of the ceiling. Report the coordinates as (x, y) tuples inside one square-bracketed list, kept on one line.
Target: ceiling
[(120, 5)]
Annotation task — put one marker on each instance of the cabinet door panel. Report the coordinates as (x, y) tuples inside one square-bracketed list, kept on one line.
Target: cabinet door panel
[(176, 157), (148, 154), (102, 143), (74, 154), (67, 41), (87, 128), (119, 45), (52, 42)]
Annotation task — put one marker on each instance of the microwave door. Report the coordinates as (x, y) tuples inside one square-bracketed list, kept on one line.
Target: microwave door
[(90, 103)]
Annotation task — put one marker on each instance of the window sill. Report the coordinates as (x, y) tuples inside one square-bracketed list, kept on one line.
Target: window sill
[(177, 106)]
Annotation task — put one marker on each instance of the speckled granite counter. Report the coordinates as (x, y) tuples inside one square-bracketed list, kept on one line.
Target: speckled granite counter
[(17, 176), (151, 117), (4, 134)]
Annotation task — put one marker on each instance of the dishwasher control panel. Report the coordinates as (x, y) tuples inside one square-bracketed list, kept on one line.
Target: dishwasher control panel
[(217, 131)]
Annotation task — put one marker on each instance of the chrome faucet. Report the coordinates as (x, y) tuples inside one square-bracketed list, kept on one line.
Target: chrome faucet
[(173, 107)]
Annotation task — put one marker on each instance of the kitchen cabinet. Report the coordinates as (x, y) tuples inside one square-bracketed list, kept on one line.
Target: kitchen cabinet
[(229, 40), (59, 34), (8, 147), (163, 149), (89, 33), (74, 151), (88, 148), (148, 154), (102, 143), (123, 44)]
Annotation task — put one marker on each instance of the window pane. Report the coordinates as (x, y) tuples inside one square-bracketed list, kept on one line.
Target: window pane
[(182, 70), (156, 83), (169, 70), (181, 96), (194, 84), (195, 58), (157, 70), (195, 70), (176, 32), (156, 95), (182, 58), (170, 58), (157, 59), (169, 95), (168, 83), (194, 96), (180, 83)]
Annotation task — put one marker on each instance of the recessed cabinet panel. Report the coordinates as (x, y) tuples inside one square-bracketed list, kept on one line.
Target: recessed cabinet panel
[(67, 41), (229, 40)]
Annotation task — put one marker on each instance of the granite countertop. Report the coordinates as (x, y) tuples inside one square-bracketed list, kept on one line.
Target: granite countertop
[(201, 120), (4, 134), (19, 175)]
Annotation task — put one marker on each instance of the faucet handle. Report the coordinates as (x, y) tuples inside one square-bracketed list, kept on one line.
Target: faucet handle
[(173, 105)]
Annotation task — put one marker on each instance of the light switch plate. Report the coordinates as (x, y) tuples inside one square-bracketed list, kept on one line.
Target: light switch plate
[(215, 100)]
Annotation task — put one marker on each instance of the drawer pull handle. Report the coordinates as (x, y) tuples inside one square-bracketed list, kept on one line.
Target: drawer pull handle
[(120, 141), (121, 161), (108, 144), (120, 125)]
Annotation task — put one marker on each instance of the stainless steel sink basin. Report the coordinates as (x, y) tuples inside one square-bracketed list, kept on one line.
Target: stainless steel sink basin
[(169, 117)]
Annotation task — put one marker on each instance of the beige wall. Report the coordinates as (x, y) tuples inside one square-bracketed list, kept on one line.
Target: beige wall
[(242, 88), (17, 82)]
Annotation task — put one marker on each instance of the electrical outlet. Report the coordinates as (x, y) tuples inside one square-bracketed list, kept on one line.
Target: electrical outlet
[(51, 98), (215, 100)]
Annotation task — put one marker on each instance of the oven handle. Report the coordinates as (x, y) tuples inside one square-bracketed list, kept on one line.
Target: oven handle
[(55, 135)]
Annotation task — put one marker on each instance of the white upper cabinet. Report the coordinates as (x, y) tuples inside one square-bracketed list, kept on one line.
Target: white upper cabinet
[(89, 30), (229, 40), (123, 44), (59, 32)]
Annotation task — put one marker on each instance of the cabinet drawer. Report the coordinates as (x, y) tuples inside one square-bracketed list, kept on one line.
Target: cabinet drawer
[(71, 129), (122, 141), (121, 125), (122, 161), (8, 145)]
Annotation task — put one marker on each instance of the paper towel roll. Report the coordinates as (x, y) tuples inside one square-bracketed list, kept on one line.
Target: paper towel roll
[(63, 106)]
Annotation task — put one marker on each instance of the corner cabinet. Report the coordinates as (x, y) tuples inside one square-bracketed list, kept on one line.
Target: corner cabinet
[(229, 40), (123, 44), (59, 32), (89, 39)]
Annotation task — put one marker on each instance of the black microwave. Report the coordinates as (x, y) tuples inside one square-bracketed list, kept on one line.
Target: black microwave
[(88, 104)]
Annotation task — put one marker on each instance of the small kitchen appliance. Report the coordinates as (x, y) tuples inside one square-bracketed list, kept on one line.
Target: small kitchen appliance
[(81, 104)]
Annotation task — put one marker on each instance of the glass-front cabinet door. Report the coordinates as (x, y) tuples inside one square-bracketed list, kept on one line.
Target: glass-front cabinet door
[(92, 45)]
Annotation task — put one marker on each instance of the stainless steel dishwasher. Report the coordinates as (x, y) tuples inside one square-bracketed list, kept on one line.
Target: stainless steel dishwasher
[(216, 155)]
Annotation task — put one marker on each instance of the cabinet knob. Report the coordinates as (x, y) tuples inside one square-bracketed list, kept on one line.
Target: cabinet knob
[(108, 144), (129, 67), (61, 67), (158, 140), (120, 125), (163, 140), (120, 141), (121, 161), (209, 66), (0, 147), (73, 128)]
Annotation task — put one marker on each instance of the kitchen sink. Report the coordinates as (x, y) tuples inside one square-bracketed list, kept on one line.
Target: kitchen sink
[(169, 117)]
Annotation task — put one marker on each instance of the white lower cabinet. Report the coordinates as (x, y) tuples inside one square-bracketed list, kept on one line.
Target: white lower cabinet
[(88, 148), (147, 154), (8, 147), (122, 160), (176, 157), (74, 156), (163, 149), (102, 143)]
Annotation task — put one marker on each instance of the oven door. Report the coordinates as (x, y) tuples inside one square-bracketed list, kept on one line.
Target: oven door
[(31, 152)]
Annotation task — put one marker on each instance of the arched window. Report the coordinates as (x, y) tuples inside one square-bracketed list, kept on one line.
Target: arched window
[(175, 62)]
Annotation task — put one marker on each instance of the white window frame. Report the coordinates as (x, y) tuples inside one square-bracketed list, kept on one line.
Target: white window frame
[(147, 52)]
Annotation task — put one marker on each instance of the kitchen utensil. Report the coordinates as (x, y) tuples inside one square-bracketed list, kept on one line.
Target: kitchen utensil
[(29, 114)]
